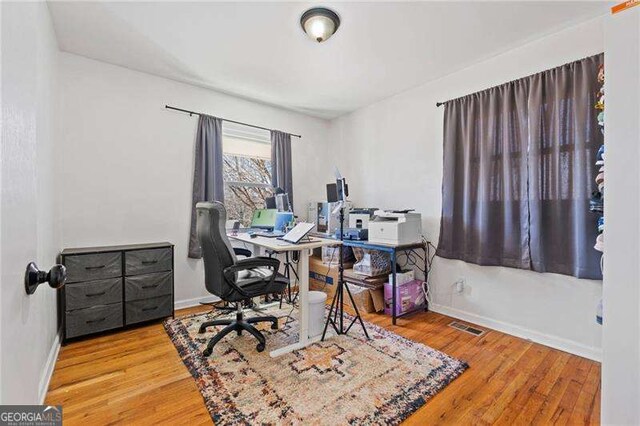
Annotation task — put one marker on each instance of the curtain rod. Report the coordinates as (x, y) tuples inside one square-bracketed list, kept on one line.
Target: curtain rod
[(224, 119), (439, 104)]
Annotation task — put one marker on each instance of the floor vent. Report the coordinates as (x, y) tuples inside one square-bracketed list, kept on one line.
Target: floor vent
[(467, 329)]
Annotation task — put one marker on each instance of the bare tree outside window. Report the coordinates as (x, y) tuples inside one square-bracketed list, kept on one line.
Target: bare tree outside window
[(247, 185)]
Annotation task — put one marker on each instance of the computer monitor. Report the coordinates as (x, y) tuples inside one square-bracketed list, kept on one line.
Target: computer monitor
[(332, 192), (264, 218), (282, 220), (270, 202), (337, 192)]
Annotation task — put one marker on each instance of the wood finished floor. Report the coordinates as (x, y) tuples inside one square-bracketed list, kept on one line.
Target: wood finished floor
[(136, 377)]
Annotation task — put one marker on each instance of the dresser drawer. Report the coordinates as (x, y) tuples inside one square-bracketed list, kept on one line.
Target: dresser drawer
[(93, 320), (88, 267), (147, 286), (139, 262), (148, 309), (92, 293)]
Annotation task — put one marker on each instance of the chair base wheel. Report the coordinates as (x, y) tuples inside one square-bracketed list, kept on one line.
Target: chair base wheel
[(238, 326)]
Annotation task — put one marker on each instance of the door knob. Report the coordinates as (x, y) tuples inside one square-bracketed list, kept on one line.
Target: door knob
[(33, 277)]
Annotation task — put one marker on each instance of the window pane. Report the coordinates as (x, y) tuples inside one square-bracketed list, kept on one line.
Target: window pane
[(246, 169), (241, 201), (246, 148)]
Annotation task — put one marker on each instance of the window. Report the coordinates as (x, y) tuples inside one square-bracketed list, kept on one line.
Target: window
[(247, 170), (519, 161)]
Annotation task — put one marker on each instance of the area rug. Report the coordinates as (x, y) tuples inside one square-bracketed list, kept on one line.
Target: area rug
[(344, 380)]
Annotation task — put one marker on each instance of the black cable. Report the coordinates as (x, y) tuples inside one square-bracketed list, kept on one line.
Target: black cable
[(333, 253), (411, 258), (293, 306)]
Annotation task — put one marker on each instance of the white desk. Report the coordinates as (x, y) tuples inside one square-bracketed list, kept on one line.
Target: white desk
[(304, 249)]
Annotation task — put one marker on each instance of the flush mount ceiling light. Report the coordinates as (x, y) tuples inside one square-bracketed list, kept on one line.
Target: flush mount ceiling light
[(320, 23)]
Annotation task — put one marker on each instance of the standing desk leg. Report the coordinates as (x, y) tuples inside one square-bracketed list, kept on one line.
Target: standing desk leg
[(426, 278), (393, 287), (304, 296), (303, 339), (257, 251)]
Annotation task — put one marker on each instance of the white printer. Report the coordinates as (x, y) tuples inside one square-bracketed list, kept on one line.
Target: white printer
[(395, 228)]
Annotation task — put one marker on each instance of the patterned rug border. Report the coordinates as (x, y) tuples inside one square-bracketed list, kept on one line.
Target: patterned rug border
[(189, 348)]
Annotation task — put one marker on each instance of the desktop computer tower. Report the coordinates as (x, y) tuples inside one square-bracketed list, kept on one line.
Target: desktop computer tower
[(312, 212), (328, 217)]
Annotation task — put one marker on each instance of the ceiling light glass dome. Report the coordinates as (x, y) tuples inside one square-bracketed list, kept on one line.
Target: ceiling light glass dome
[(320, 23)]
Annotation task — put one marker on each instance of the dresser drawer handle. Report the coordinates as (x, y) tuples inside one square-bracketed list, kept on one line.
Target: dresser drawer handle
[(149, 262), (95, 321), (150, 286), (95, 267), (96, 294), (149, 309)]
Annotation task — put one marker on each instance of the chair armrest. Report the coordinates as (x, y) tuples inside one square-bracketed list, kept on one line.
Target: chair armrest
[(242, 251), (251, 263)]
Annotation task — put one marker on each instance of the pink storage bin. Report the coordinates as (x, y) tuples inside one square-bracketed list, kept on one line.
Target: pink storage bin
[(409, 297)]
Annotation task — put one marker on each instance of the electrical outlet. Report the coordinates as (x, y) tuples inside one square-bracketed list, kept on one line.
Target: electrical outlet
[(460, 286)]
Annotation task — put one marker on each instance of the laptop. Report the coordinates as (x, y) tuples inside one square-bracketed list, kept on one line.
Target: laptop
[(282, 220), (297, 233), (262, 220)]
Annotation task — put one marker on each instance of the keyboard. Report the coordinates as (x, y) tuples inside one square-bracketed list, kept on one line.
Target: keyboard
[(269, 234), (321, 235), (250, 230)]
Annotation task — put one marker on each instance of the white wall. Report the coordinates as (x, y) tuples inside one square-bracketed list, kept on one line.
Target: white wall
[(621, 332), (127, 163), (29, 229), (391, 153)]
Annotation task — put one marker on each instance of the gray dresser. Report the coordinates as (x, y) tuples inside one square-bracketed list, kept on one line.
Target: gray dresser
[(113, 287)]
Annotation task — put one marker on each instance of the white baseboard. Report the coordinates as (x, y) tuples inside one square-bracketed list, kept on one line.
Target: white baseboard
[(555, 342), (188, 303), (47, 372)]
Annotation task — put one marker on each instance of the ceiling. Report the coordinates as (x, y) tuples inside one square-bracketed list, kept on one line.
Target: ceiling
[(258, 50)]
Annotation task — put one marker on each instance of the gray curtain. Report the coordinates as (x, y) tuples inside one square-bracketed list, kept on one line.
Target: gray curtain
[(519, 163), (484, 183), (281, 173), (208, 180), (565, 138)]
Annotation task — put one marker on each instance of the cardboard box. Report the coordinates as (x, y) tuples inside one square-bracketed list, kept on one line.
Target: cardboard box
[(364, 281), (367, 300), (403, 277), (324, 277), (370, 294)]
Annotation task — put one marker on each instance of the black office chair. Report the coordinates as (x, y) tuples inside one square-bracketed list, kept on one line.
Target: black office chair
[(226, 306), (231, 279)]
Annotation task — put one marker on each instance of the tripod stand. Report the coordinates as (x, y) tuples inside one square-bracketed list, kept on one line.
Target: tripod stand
[(288, 269), (336, 312)]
